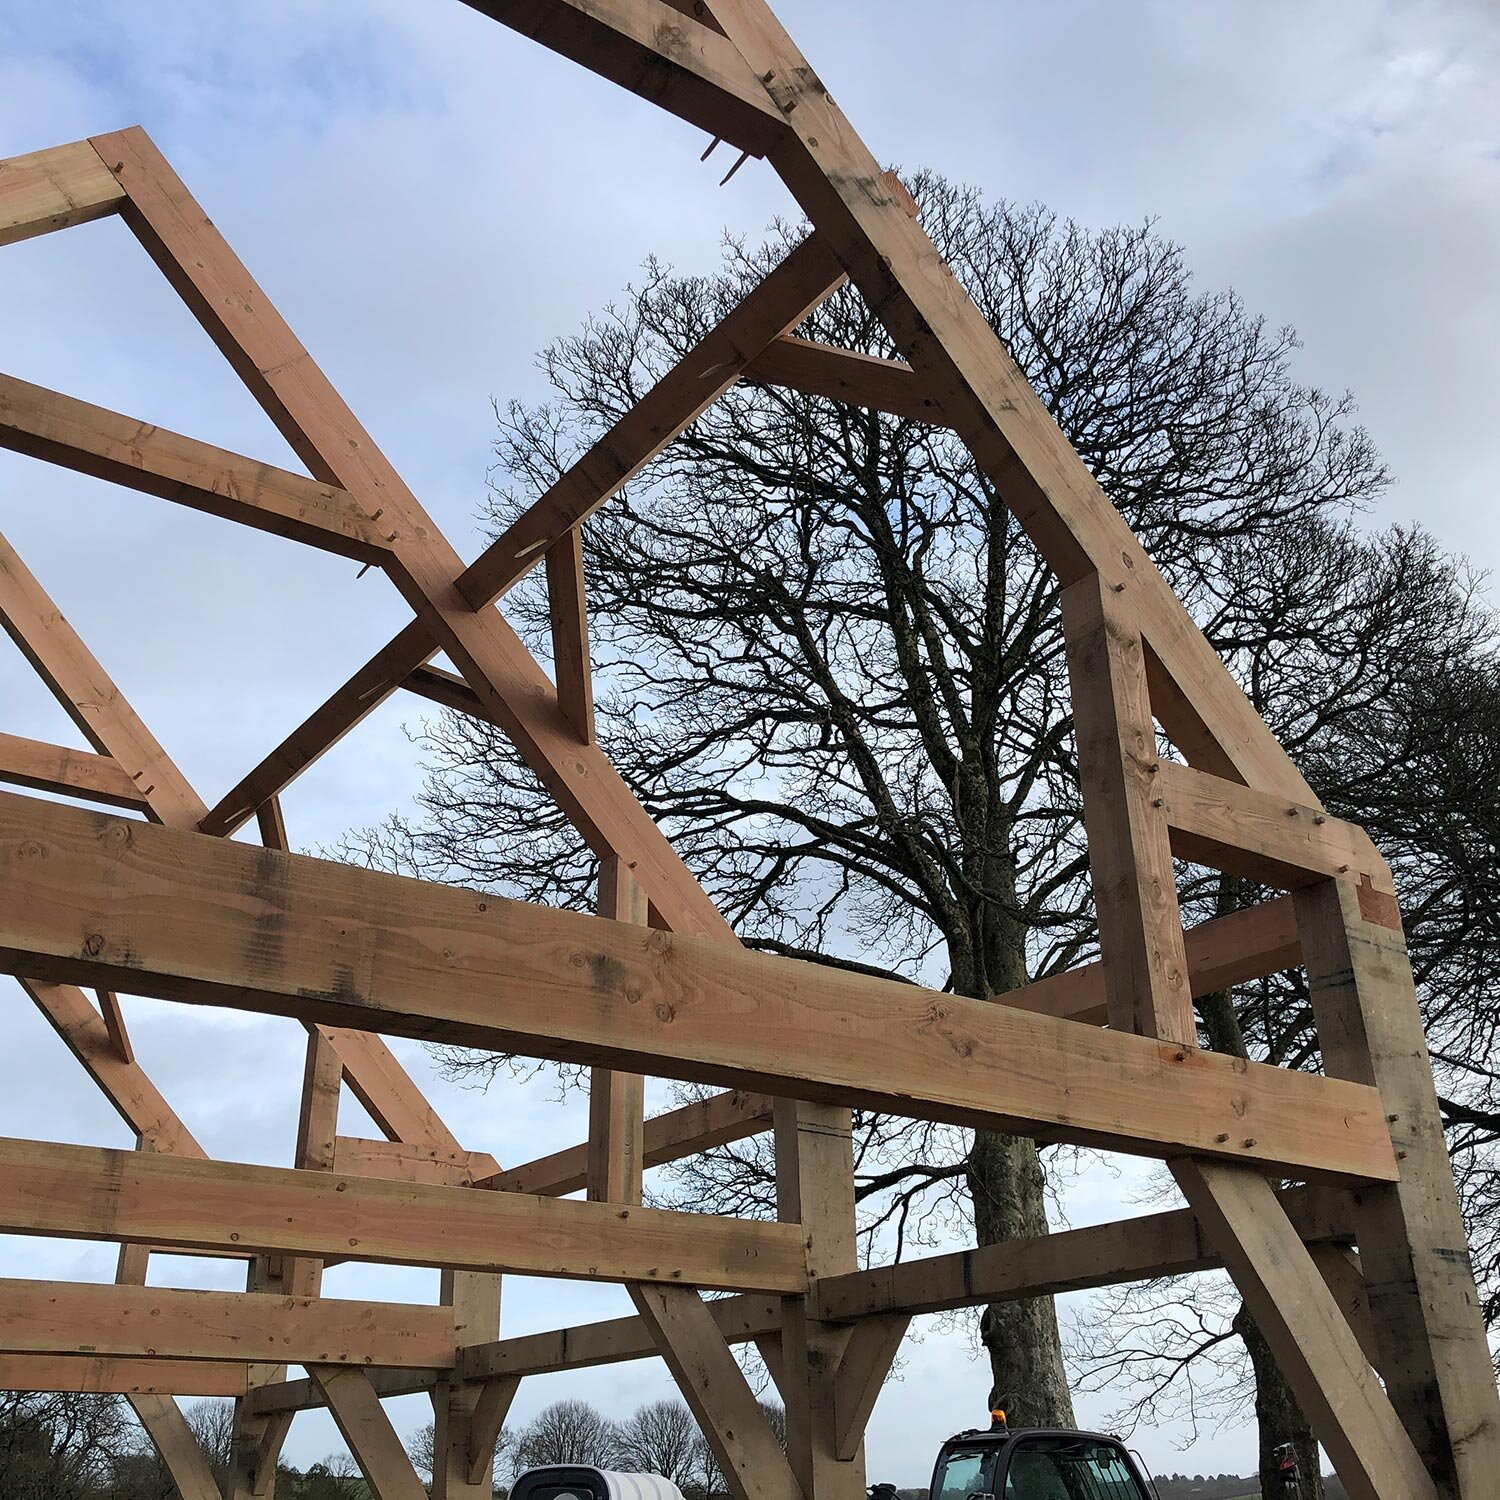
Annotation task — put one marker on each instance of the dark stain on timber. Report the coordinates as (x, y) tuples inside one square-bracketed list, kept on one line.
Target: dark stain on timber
[(608, 972)]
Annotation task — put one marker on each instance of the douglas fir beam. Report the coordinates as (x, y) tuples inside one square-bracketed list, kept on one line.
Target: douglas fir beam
[(885, 385), (92, 700), (463, 1444), (124, 1083), (657, 51), (1071, 1260), (617, 1101), (392, 1099), (91, 440), (1414, 1254), (71, 773), (567, 607), (54, 189), (56, 1317), (87, 1374), (806, 278), (140, 1198), (980, 390), (1130, 859), (1305, 1326), (868, 1356), (360, 947), (178, 1446), (1222, 952), (694, 1128), (1161, 1244), (815, 1188), (1270, 839), (714, 1386)]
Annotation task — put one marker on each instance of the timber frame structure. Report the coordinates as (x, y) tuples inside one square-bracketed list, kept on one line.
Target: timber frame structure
[(1360, 1267)]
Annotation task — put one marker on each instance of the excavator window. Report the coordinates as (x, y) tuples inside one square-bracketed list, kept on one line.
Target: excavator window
[(1069, 1468)]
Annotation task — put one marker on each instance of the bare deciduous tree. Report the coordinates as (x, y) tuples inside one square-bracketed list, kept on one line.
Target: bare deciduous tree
[(567, 1432), (659, 1438), (830, 665)]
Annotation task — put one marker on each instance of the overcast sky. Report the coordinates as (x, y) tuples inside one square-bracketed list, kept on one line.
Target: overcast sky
[(429, 199)]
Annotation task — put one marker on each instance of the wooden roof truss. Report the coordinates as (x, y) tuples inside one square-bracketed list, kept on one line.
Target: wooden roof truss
[(656, 983)]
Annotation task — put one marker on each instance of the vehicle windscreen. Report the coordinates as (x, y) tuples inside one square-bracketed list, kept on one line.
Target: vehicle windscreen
[(963, 1475), (1068, 1468)]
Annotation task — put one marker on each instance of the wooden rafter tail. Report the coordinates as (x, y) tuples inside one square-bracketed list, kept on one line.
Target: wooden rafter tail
[(54, 189)]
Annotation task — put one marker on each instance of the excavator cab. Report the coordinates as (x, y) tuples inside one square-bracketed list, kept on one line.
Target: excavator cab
[(1038, 1463)]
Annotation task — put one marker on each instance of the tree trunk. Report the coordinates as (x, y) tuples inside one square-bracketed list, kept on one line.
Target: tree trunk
[(1279, 1419), (1026, 1363), (1005, 1180)]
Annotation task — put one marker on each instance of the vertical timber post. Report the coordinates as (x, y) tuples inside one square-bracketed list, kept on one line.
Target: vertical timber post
[(815, 1188), (458, 1472), (617, 1101), (1412, 1245), (1147, 988)]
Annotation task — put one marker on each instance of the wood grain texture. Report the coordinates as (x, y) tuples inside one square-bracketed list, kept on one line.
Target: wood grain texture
[(141, 1198), (1130, 857), (54, 1317), (54, 189), (72, 773), (1305, 1327), (88, 897), (1270, 839), (135, 1376), (156, 461)]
